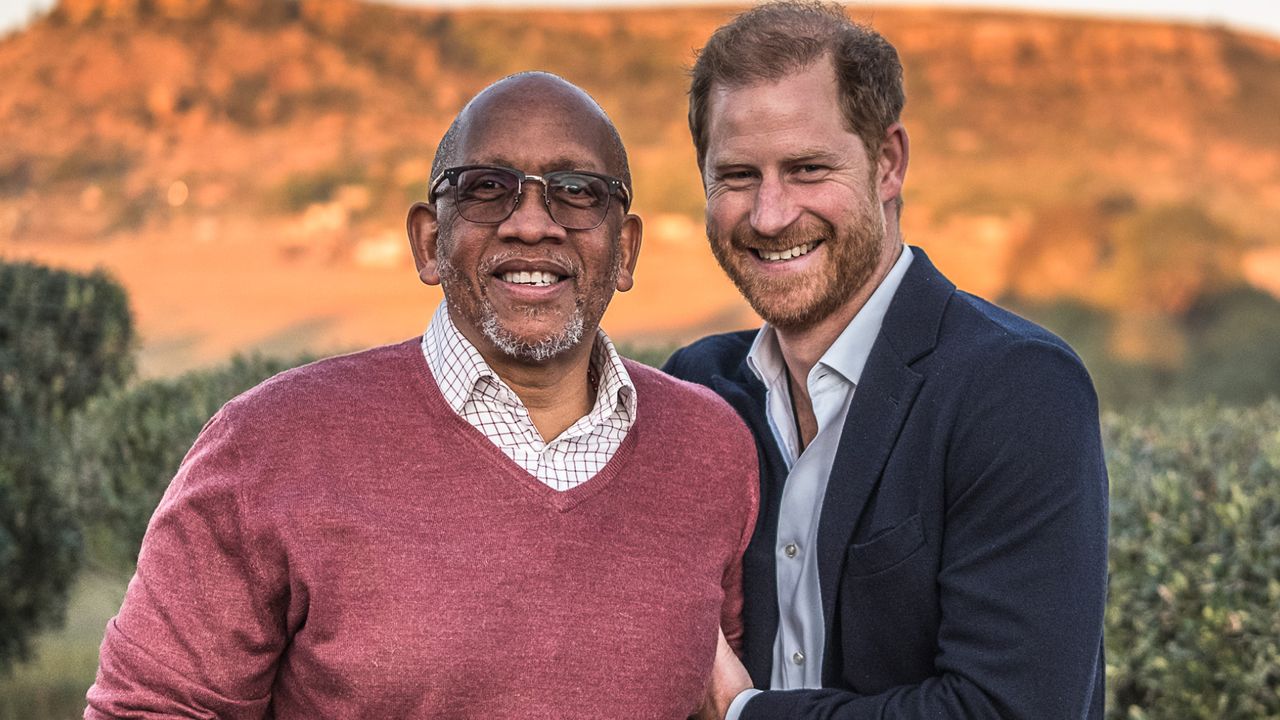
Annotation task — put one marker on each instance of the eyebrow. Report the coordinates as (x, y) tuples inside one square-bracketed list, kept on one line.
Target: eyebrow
[(810, 154), (799, 156), (560, 163)]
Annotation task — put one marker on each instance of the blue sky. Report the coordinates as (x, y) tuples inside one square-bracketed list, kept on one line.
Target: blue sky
[(1256, 15)]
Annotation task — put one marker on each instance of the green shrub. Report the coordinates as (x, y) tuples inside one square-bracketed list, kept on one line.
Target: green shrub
[(63, 338), (1192, 624), (125, 447)]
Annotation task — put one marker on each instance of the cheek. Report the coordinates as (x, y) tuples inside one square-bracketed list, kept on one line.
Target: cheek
[(724, 213)]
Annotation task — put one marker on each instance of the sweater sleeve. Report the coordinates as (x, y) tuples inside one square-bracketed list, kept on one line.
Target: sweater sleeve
[(747, 478), (202, 625)]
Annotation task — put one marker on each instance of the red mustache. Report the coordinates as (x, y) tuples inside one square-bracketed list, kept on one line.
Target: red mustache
[(745, 236)]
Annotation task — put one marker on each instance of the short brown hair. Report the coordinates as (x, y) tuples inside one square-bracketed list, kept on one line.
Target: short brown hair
[(776, 39)]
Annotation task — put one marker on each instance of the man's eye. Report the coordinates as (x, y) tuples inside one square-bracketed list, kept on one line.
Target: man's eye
[(810, 170), (737, 178), (483, 189)]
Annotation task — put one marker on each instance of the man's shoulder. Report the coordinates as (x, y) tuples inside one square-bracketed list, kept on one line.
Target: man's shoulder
[(339, 381), (681, 405), (662, 389), (979, 328), (986, 351), (715, 355)]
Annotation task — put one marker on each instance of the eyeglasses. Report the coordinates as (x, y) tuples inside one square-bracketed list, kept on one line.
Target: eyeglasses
[(488, 194)]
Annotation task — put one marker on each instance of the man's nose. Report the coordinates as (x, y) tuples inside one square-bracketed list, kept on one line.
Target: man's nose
[(774, 209), (530, 221)]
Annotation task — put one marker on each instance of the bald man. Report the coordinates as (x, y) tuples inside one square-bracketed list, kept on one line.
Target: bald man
[(500, 518)]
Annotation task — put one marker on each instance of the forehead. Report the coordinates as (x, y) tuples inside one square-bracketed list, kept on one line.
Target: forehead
[(791, 114), (535, 135)]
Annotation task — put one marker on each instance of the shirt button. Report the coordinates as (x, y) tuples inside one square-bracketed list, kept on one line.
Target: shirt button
[(797, 657), (791, 550)]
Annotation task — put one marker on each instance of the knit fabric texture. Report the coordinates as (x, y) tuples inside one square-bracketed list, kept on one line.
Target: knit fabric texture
[(340, 544)]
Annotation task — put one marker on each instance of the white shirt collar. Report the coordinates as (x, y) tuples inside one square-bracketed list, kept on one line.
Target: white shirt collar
[(848, 354)]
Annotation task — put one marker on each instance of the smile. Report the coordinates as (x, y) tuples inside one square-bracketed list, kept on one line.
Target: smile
[(537, 278), (788, 254)]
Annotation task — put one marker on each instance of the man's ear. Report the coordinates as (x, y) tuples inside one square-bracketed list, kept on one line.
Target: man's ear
[(891, 169), (629, 246), (424, 241)]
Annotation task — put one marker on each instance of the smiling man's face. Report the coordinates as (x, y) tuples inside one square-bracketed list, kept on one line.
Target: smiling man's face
[(794, 214), (526, 288)]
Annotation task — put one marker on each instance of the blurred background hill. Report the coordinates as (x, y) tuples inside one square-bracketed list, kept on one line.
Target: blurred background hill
[(244, 167)]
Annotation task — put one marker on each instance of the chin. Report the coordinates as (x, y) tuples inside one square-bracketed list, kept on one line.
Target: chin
[(536, 348)]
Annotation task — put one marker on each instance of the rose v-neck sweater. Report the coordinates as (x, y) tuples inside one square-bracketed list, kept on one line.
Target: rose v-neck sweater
[(339, 544)]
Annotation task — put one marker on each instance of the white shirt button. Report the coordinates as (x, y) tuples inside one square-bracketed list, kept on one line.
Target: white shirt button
[(791, 550), (797, 657)]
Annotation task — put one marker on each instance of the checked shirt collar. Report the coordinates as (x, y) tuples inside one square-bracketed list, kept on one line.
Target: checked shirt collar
[(476, 393)]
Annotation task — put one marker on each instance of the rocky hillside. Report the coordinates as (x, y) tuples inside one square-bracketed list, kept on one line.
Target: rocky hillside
[(244, 165)]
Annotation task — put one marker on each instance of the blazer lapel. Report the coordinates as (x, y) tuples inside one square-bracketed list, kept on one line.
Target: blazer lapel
[(881, 404)]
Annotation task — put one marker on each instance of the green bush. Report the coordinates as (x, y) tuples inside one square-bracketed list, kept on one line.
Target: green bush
[(63, 338), (1192, 624), (125, 447)]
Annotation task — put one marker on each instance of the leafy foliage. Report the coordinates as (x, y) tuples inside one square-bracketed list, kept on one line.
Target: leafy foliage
[(125, 447), (1192, 627), (63, 338)]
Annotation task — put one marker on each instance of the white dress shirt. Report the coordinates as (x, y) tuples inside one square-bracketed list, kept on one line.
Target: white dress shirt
[(799, 645), (480, 397)]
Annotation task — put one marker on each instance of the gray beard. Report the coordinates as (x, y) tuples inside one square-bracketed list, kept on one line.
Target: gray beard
[(507, 343), (537, 352)]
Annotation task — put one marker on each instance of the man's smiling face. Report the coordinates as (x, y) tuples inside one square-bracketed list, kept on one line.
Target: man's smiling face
[(793, 211), (527, 288)]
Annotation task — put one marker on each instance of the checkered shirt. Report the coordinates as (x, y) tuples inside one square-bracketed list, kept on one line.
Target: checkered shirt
[(476, 393)]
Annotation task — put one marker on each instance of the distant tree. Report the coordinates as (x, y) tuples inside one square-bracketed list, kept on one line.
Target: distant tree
[(63, 337)]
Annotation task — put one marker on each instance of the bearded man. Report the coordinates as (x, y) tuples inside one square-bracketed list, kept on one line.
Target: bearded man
[(933, 527), (499, 519)]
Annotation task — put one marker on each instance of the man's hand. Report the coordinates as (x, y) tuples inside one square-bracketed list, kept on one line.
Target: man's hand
[(728, 678)]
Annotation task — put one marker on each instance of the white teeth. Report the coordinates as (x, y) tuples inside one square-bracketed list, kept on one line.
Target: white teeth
[(787, 254), (537, 278)]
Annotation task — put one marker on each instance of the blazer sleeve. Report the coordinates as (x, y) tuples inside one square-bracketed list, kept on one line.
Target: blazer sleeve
[(674, 366), (1023, 571), (202, 625)]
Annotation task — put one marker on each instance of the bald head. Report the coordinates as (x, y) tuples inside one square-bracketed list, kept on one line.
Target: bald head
[(508, 104)]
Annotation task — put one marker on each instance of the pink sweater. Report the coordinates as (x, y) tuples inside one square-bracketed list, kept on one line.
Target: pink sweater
[(339, 544)]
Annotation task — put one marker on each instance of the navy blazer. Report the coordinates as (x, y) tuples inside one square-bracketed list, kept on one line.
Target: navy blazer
[(962, 546)]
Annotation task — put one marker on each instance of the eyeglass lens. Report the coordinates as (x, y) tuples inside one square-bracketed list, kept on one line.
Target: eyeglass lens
[(574, 200)]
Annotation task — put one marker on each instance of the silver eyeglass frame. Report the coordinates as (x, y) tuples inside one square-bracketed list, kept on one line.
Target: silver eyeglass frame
[(616, 187)]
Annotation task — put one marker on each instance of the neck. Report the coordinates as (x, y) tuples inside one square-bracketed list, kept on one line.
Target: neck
[(802, 348), (556, 392)]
